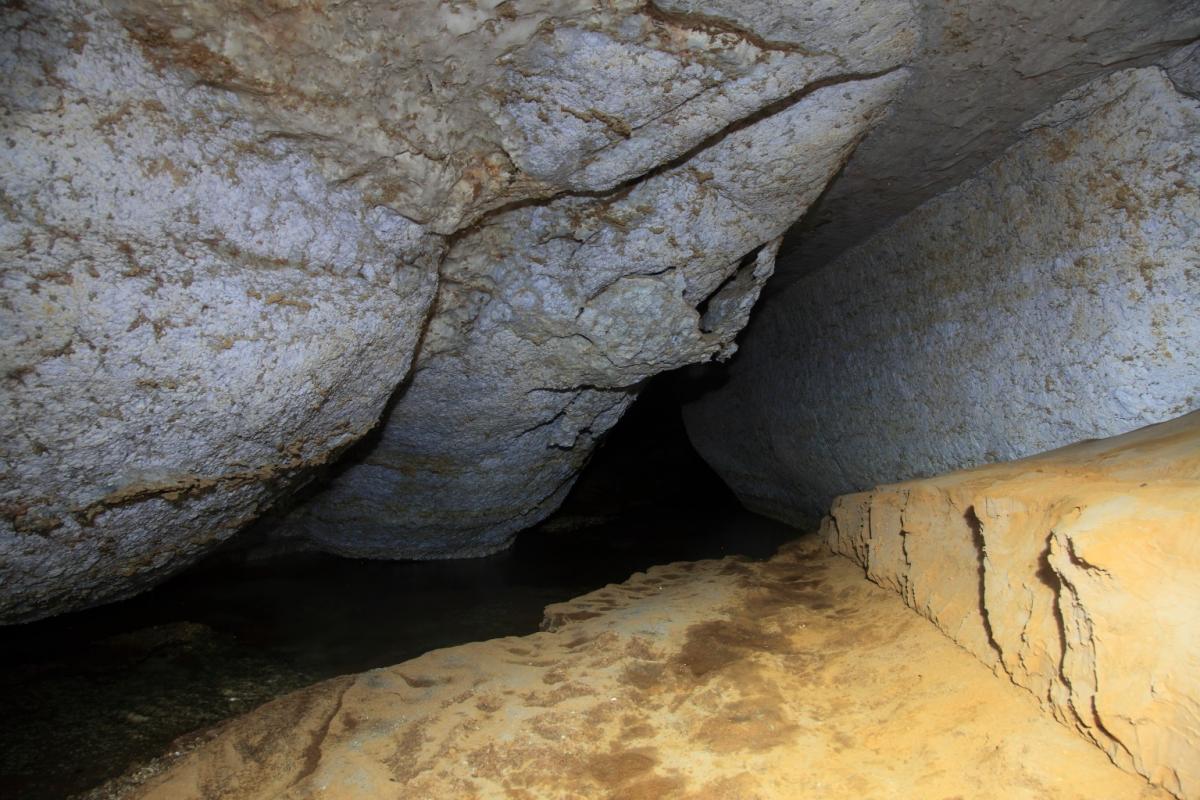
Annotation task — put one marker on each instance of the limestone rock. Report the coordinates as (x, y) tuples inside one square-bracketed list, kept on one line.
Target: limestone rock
[(192, 315), (1051, 298), (444, 111), (981, 70), (223, 223), (792, 678), (549, 316), (604, 167), (1074, 572)]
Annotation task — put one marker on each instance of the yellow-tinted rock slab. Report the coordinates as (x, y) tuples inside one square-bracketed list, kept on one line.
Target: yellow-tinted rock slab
[(793, 678), (1075, 572)]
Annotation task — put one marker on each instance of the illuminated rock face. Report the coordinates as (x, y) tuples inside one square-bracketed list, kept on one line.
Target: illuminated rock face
[(224, 227), (192, 314), (1051, 298), (237, 236), (669, 685), (444, 111), (685, 149), (548, 318), (1073, 572)]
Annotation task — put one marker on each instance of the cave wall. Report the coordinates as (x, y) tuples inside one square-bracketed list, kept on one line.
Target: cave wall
[(1053, 297), (549, 317), (655, 153), (687, 138), (981, 70), (237, 237), (230, 229), (1073, 573)]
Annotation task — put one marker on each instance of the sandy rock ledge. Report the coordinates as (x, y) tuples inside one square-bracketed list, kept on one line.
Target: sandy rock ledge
[(1074, 573), (713, 680)]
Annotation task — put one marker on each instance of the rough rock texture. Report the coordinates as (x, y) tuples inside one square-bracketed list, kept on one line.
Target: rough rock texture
[(447, 110), (1075, 572), (982, 69), (1054, 297), (716, 680), (550, 314), (191, 313), (1183, 66), (223, 222), (223, 219)]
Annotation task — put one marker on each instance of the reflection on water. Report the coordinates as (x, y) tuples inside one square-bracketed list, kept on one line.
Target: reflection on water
[(85, 696)]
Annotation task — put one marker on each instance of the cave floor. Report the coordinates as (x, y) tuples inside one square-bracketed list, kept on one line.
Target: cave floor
[(87, 696), (789, 678)]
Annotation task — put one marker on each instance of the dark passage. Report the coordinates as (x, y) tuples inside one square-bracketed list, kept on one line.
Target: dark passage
[(86, 696)]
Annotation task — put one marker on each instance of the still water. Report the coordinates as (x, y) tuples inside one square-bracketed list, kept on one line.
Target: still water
[(85, 696)]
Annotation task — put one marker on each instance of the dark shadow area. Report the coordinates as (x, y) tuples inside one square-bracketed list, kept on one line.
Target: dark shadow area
[(646, 464), (976, 526), (85, 696), (1049, 578)]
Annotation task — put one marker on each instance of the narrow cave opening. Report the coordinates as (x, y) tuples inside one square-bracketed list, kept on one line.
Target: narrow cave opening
[(113, 686)]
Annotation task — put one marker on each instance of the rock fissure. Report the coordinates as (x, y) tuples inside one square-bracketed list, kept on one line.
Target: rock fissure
[(1097, 643), (541, 272), (712, 24)]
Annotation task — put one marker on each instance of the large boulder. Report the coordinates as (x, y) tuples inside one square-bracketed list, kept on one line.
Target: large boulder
[(550, 315), (446, 111), (1049, 299), (224, 224), (192, 315)]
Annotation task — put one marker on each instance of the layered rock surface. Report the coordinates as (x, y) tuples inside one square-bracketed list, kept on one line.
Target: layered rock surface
[(1051, 298), (1074, 572), (710, 680), (192, 314)]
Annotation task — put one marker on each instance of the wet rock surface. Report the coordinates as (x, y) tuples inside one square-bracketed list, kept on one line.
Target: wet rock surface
[(90, 695), (1072, 572), (82, 714), (791, 677)]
